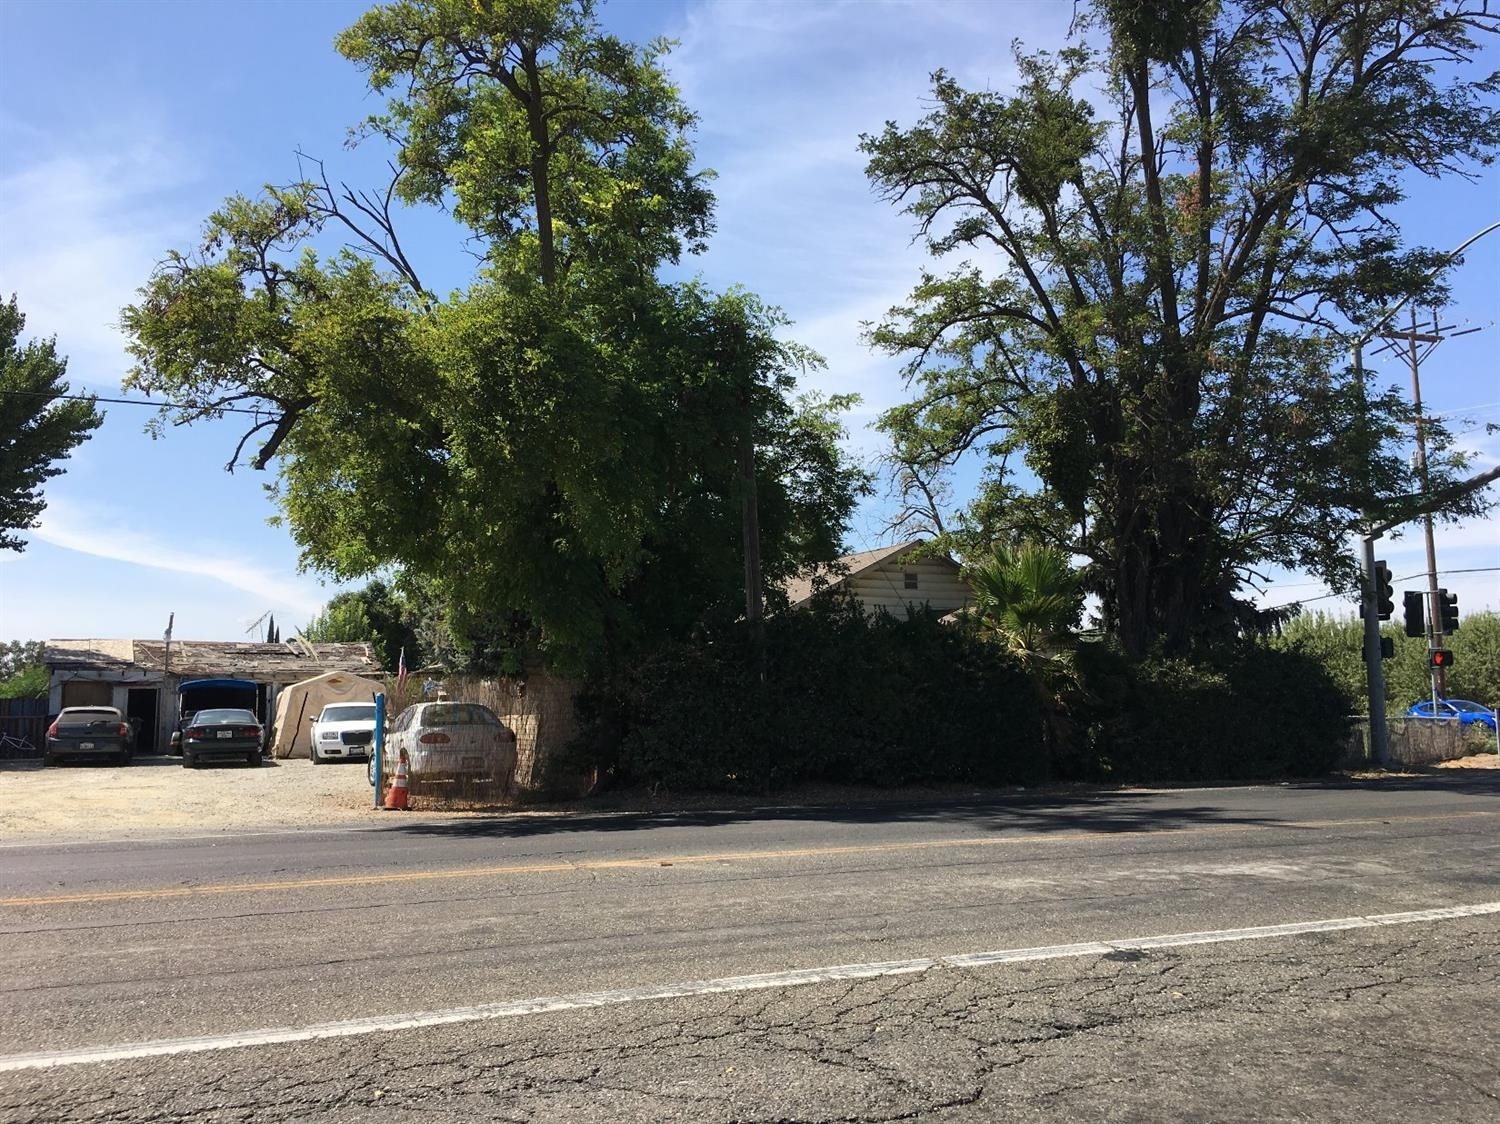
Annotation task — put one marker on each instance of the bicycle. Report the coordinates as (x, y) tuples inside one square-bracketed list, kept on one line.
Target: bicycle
[(13, 745)]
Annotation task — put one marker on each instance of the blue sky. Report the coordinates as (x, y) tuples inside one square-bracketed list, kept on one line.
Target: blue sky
[(123, 124)]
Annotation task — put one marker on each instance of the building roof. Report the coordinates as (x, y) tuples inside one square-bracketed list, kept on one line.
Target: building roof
[(801, 589), (290, 660)]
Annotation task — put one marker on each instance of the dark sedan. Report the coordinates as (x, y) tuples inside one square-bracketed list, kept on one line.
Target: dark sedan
[(88, 731), (221, 735)]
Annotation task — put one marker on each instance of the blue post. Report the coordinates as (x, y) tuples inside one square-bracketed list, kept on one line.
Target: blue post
[(379, 749)]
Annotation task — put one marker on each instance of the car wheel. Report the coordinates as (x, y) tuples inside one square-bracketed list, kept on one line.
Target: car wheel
[(48, 761), (252, 759), (370, 770), (313, 753), (125, 757), (188, 762)]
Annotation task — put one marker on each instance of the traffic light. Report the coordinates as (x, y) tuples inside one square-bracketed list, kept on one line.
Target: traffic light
[(1448, 611), (1411, 610), (1384, 594), (1439, 657)]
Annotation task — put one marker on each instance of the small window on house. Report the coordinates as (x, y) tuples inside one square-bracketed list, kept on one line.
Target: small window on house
[(911, 579)]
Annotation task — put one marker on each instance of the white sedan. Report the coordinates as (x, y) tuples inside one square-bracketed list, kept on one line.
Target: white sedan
[(450, 741), (341, 731)]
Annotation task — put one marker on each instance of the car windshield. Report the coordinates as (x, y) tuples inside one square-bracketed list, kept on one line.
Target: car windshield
[(349, 712), (458, 714), (224, 718), (87, 717)]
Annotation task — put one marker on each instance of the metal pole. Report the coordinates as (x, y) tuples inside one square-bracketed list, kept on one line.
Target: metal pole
[(1434, 612), (1370, 598), (379, 747), (1374, 672)]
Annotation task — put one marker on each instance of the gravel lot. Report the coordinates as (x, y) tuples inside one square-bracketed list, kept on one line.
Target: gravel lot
[(156, 794)]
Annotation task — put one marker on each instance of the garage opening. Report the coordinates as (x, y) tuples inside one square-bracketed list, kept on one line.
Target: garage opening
[(141, 709)]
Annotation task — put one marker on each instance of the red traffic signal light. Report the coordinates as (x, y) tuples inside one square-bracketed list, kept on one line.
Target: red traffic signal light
[(1440, 657)]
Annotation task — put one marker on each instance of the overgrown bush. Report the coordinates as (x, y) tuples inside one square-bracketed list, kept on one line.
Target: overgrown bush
[(1251, 713), (845, 699)]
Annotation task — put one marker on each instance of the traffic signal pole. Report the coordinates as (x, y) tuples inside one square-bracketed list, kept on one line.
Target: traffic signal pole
[(1374, 671)]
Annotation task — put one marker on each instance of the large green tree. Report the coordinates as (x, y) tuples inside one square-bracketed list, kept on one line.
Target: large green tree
[(1188, 213), (38, 426), (550, 452)]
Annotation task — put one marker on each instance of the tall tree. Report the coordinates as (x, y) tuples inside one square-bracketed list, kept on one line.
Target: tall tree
[(1189, 218), (38, 426), (548, 454)]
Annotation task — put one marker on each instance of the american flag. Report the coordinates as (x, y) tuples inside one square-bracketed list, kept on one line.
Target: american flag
[(401, 671)]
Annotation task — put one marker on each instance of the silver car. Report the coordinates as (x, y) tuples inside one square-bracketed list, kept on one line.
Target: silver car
[(450, 742)]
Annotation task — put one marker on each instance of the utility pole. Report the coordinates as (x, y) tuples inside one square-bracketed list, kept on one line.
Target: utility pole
[(1374, 673), (1418, 345)]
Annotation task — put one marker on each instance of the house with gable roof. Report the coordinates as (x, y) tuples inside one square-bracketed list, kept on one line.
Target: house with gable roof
[(890, 578)]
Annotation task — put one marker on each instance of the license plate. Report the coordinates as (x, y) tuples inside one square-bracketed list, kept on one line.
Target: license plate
[(85, 745), (473, 762), (224, 734)]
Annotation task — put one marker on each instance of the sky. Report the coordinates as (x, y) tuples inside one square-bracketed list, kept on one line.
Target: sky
[(122, 125)]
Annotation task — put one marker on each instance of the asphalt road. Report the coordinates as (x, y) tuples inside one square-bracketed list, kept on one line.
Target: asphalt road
[(441, 933)]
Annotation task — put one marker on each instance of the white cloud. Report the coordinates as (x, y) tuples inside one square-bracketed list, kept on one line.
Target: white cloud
[(96, 533), (79, 232)]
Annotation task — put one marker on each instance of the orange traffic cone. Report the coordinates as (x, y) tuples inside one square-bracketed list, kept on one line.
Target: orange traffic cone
[(396, 798)]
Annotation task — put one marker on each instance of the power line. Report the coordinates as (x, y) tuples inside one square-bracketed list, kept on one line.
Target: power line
[(136, 402), (1407, 578)]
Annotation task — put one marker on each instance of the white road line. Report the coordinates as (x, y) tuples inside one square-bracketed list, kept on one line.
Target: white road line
[(381, 1024)]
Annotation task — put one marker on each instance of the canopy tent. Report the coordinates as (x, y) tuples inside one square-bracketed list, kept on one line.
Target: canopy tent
[(296, 704)]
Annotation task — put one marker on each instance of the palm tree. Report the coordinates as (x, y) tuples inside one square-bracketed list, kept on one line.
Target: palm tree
[(1028, 598)]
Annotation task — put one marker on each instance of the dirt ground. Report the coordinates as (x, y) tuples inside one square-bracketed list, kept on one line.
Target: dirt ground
[(156, 796)]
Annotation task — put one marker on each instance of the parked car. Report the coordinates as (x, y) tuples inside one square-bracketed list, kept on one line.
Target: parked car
[(89, 731), (341, 731), (174, 743), (222, 735), (450, 741), (1468, 713)]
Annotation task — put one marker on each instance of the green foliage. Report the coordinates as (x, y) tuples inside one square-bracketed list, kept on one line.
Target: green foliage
[(1191, 220), (1335, 643), (376, 615), (18, 654), (1251, 713), (29, 682), (547, 455), (879, 701), (38, 427), (563, 144), (1029, 596)]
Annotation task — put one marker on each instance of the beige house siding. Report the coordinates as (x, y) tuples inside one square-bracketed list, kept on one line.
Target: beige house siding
[(939, 586)]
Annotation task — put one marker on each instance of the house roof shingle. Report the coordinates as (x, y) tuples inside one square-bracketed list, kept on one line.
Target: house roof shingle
[(212, 658)]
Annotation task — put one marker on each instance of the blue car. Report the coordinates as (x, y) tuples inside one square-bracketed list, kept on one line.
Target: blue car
[(1468, 713)]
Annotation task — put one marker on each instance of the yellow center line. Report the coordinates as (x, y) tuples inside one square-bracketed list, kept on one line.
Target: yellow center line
[(390, 878)]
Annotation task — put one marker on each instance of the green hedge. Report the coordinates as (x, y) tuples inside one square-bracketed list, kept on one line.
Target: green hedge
[(898, 702), (845, 699), (1253, 713)]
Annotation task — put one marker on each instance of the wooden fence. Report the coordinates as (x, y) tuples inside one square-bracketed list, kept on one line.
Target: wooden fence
[(24, 720)]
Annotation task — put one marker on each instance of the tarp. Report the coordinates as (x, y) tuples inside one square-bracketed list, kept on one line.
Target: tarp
[(302, 701)]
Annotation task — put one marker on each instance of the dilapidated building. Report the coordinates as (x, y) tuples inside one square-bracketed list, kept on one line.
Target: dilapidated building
[(141, 677)]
